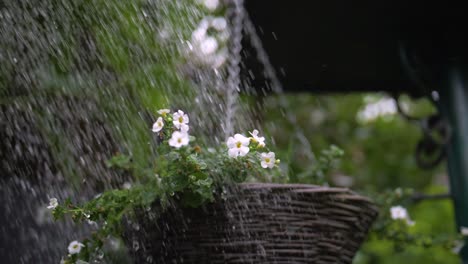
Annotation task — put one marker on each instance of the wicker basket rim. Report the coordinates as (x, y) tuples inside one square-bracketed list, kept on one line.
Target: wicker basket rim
[(343, 193)]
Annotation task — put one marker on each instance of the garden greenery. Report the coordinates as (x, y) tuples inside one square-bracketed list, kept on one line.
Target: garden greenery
[(192, 175), (395, 224), (182, 171)]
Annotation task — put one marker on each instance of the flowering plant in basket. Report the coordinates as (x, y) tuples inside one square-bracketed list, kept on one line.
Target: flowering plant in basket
[(182, 170)]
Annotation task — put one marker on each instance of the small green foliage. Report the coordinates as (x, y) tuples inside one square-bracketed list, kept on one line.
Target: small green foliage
[(120, 161), (182, 172), (325, 162), (404, 233)]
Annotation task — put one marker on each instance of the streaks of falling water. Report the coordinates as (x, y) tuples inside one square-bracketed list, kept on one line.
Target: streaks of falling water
[(233, 79), (77, 79)]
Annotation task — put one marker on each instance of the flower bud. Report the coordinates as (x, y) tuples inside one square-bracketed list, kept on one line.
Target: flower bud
[(197, 149)]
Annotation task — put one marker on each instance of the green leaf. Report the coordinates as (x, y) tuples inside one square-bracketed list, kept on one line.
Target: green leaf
[(120, 161)]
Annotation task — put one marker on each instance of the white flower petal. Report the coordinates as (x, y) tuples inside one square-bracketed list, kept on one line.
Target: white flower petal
[(231, 142), (205, 23), (53, 203), (219, 23), (179, 119), (75, 247), (199, 35), (208, 45), (232, 152), (164, 111), (267, 159), (184, 128), (158, 125), (243, 151), (211, 4), (399, 212), (185, 140), (173, 142), (178, 139), (259, 140), (464, 231), (238, 137), (254, 133), (244, 140)]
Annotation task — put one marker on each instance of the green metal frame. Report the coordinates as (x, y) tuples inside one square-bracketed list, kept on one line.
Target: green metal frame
[(454, 106)]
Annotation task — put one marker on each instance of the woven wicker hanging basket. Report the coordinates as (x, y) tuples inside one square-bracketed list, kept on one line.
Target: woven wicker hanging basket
[(260, 223)]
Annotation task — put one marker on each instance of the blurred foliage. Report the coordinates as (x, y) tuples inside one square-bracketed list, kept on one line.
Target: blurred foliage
[(182, 173), (122, 55), (108, 52), (378, 158)]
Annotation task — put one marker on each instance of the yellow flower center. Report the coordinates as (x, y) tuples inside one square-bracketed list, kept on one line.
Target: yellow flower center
[(179, 140), (267, 160), (238, 144), (75, 246), (181, 119), (159, 124)]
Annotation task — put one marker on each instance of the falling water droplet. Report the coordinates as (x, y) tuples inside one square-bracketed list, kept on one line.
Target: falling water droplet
[(136, 245)]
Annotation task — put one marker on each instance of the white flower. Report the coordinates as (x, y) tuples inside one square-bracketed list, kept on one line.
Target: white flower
[(459, 244), (92, 223), (464, 231), (199, 34), (207, 41), (208, 46), (180, 118), (158, 125), (184, 128), (219, 23), (211, 4), (399, 212), (179, 139), (164, 112), (53, 203), (75, 247), (127, 185), (268, 160), (238, 145), (256, 138)]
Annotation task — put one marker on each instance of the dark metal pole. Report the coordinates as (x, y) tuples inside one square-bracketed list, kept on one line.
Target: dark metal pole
[(454, 106)]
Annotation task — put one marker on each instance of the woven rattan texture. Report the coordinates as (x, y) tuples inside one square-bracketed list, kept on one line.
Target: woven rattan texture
[(259, 223)]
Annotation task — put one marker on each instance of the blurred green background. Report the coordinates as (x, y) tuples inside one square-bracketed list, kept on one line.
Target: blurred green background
[(379, 155), (132, 71)]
